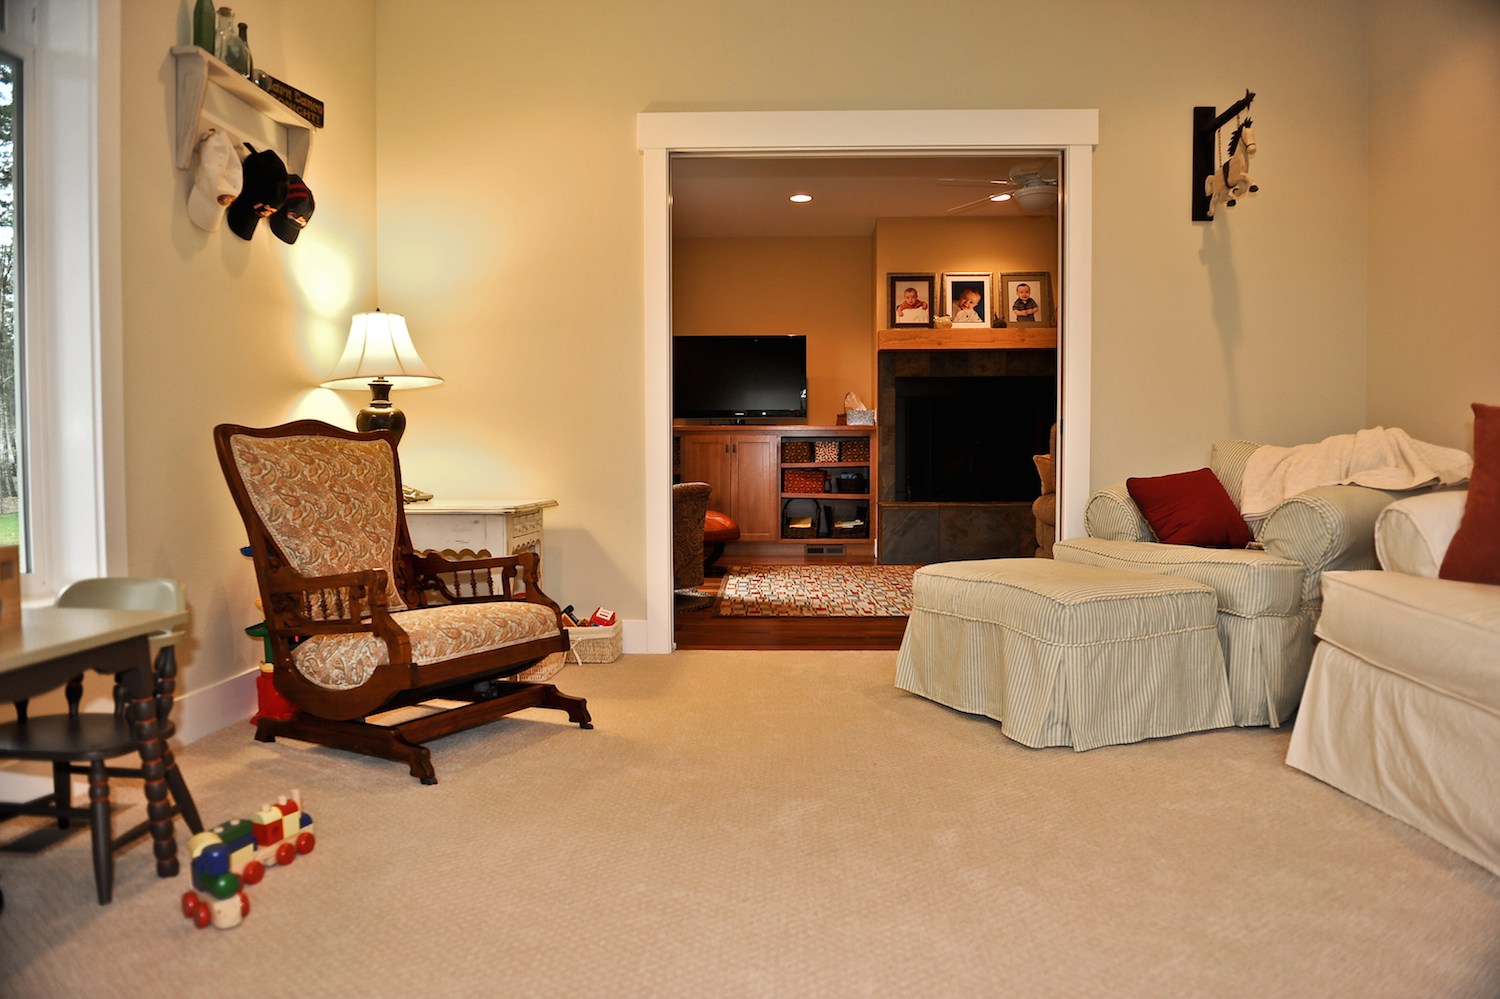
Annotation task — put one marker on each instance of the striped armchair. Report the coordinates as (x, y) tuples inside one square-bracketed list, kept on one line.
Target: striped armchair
[(1270, 595)]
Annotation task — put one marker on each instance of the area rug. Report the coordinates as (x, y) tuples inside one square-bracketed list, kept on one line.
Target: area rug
[(817, 591)]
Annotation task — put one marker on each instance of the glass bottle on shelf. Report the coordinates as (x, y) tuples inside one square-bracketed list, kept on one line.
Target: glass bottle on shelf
[(249, 60), (230, 47), (223, 29), (204, 30)]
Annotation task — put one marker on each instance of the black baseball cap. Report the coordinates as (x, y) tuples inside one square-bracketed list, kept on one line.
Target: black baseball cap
[(262, 193), (295, 212)]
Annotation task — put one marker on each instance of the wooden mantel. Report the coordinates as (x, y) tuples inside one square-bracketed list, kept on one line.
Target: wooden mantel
[(964, 338)]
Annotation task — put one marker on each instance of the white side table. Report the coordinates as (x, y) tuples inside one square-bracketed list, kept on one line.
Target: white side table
[(481, 526)]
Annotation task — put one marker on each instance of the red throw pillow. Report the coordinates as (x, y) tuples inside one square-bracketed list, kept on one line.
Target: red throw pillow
[(1474, 553), (1190, 508)]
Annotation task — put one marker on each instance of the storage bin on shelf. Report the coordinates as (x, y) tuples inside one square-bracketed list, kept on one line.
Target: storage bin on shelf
[(796, 450), (803, 480), (825, 451), (854, 449)]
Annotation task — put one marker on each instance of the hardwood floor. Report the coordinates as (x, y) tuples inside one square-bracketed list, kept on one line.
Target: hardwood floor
[(705, 629)]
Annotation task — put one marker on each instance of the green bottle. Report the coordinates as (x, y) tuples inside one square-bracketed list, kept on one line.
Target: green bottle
[(203, 25)]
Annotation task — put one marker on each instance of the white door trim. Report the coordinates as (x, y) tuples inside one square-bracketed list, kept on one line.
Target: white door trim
[(1072, 132)]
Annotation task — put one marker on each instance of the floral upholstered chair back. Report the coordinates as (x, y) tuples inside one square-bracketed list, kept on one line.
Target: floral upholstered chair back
[(328, 503)]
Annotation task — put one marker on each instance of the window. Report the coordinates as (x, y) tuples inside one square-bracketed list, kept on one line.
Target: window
[(66, 297), (12, 332)]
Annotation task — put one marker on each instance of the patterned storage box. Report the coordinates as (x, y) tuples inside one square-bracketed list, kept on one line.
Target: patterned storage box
[(855, 449), (796, 450), (826, 451), (803, 480)]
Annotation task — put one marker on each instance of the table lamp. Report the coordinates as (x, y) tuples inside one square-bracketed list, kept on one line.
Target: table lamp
[(380, 354)]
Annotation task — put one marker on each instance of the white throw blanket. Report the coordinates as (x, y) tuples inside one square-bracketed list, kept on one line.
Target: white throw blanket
[(1380, 458)]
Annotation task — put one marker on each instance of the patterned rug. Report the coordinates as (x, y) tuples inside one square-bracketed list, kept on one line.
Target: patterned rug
[(817, 591)]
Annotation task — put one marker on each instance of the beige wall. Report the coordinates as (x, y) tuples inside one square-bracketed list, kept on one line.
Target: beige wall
[(936, 246), (819, 287), (510, 223), (507, 227), (217, 329), (1434, 216)]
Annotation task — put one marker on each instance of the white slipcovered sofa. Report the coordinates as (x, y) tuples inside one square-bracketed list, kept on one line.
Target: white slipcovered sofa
[(1402, 704), (1270, 595)]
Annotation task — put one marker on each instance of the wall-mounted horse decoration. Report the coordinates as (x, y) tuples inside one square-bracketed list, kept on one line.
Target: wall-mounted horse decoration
[(1232, 180)]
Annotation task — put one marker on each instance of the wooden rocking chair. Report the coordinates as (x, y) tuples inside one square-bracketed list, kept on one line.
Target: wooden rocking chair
[(359, 624)]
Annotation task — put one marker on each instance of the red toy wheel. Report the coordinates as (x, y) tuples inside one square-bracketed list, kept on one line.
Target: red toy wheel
[(201, 916), (189, 904), (253, 872), (306, 842), (244, 904), (285, 854)]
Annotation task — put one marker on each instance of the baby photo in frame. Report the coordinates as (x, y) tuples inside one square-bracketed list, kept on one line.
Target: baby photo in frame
[(909, 300), (966, 294), (1027, 298)]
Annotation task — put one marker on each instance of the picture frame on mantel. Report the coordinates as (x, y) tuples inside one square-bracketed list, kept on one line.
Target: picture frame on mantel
[(966, 298), (909, 303), (1038, 289)]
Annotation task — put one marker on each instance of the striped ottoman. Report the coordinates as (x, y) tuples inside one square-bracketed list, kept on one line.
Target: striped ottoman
[(1066, 655)]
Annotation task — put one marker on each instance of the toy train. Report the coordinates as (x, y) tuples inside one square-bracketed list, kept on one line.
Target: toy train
[(237, 853)]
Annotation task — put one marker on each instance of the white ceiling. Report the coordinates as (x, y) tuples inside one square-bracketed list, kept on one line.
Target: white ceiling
[(721, 196)]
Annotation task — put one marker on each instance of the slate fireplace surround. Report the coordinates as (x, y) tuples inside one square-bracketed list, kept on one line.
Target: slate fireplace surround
[(957, 432)]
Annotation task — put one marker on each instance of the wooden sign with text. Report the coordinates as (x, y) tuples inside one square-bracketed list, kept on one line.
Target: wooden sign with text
[(306, 105)]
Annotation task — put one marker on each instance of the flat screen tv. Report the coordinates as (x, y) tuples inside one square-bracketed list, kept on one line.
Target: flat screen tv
[(733, 377)]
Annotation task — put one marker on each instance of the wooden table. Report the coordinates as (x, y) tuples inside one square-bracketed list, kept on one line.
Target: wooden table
[(55, 644)]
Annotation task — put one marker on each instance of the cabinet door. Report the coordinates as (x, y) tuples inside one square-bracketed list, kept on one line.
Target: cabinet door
[(757, 501), (709, 458)]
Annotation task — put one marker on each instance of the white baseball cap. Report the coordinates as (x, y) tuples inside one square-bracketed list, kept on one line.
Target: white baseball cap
[(216, 182)]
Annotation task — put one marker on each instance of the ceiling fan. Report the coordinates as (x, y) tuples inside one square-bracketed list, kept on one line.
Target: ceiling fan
[(1032, 186)]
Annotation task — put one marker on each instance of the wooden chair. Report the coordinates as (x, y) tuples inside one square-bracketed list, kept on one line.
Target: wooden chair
[(80, 742), (358, 623)]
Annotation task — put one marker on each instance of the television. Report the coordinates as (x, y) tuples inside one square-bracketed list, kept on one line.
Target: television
[(735, 377)]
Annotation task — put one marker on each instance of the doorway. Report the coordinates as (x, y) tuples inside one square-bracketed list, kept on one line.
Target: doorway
[(1072, 133)]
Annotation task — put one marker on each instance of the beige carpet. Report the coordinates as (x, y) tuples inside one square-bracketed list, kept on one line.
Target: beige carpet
[(779, 824)]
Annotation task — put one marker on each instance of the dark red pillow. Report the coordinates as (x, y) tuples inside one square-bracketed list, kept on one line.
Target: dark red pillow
[(1474, 553), (1190, 508)]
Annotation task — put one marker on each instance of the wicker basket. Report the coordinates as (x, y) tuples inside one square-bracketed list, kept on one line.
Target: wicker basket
[(796, 450), (862, 531), (854, 449), (544, 670), (595, 645)]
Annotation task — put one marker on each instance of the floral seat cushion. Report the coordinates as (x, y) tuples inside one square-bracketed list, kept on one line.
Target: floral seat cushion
[(437, 633)]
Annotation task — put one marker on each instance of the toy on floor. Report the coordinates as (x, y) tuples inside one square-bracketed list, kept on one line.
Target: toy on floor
[(1232, 180), (237, 853)]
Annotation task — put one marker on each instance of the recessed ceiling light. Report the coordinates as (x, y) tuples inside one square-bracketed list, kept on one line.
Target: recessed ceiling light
[(800, 199), (1000, 197)]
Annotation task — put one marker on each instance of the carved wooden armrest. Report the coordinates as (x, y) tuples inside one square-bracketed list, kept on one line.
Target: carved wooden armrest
[(341, 604), (480, 580)]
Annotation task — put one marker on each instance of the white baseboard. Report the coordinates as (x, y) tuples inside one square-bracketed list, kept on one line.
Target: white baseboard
[(203, 712), (633, 635)]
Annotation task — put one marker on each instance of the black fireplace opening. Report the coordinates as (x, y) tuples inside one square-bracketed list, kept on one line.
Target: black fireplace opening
[(970, 439)]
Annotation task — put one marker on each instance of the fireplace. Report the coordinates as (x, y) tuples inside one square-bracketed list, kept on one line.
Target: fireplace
[(958, 431), (970, 438)]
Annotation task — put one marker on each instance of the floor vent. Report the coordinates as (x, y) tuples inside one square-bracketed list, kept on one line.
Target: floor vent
[(825, 549)]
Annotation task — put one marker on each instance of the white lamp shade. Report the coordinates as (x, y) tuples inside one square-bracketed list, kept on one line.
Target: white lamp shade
[(1037, 197), (380, 347)]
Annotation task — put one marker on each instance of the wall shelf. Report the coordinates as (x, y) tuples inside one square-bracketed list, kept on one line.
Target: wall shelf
[(978, 338), (197, 72)]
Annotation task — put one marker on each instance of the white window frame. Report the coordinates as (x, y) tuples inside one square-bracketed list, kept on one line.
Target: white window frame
[(71, 307)]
